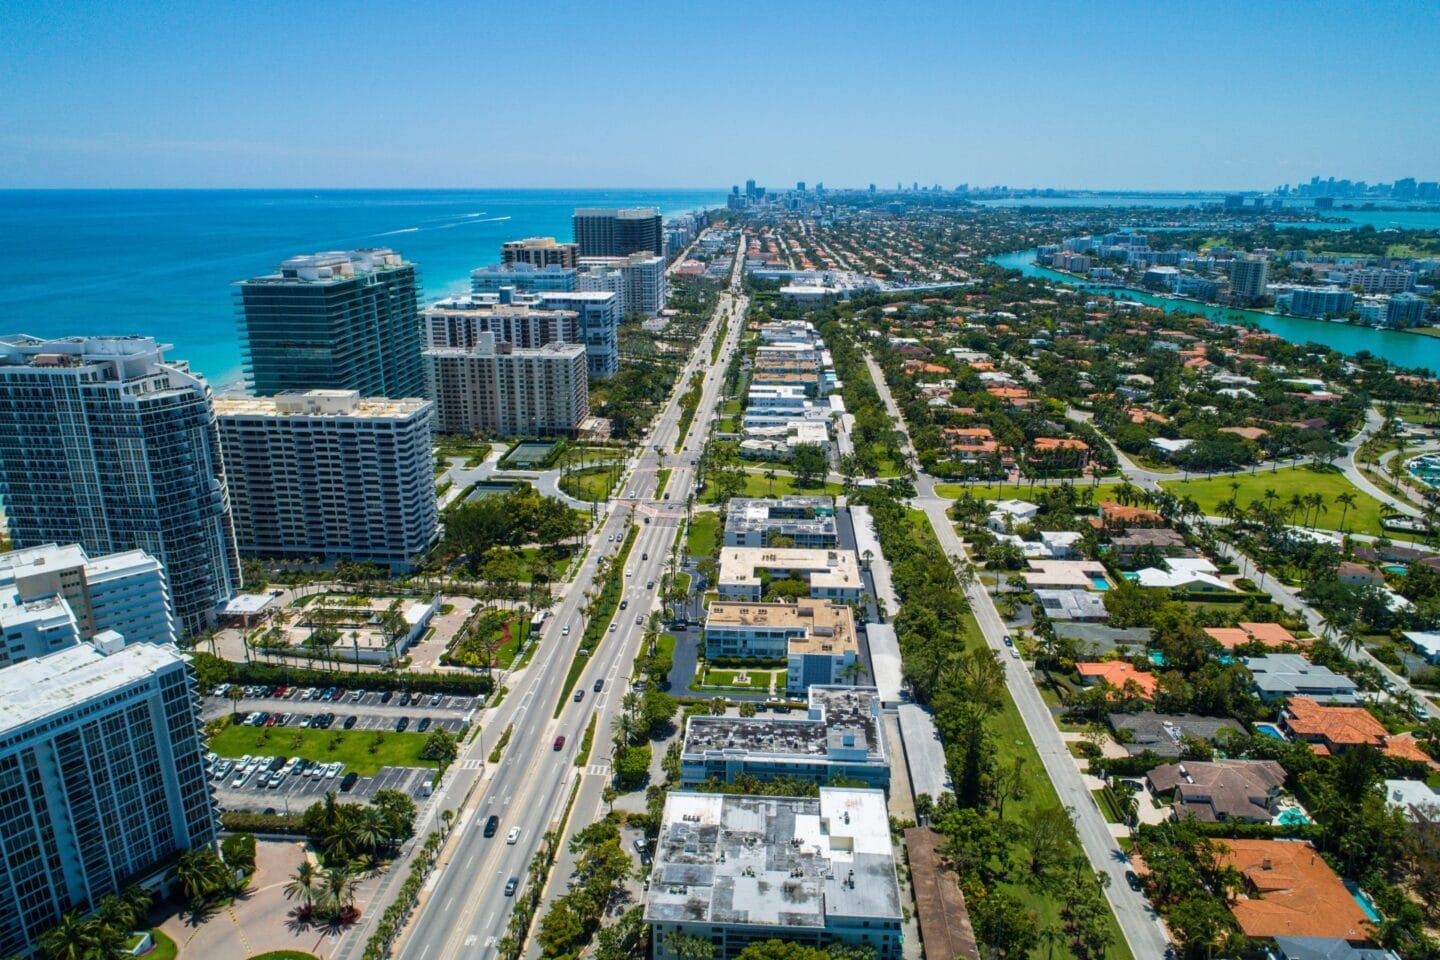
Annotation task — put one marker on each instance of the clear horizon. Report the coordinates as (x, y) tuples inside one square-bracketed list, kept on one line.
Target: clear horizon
[(1112, 96)]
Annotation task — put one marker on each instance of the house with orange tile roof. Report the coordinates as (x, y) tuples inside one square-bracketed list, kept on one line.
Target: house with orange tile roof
[(1064, 451), (1116, 674), (1333, 730), (1117, 516), (1270, 634), (1291, 891)]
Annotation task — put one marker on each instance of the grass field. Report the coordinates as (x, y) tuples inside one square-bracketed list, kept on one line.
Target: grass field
[(997, 491), (590, 483), (1364, 517), (703, 534), (757, 486), (350, 747)]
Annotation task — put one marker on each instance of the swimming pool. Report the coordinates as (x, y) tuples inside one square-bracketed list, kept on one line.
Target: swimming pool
[(1157, 657), (1291, 817), (1362, 898), (1395, 568), (1100, 583), (1269, 730)]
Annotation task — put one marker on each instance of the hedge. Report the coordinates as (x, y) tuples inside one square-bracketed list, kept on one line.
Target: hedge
[(214, 669), (1234, 830), (243, 821)]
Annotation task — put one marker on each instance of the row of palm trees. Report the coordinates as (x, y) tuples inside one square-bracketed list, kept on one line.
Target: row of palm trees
[(1270, 510), (104, 935), (327, 895)]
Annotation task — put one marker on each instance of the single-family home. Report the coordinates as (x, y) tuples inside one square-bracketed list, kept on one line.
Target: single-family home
[(1077, 605), (1282, 676), (1247, 632), (1066, 575), (1162, 733), (1218, 790), (1331, 730), (1120, 675), (1291, 891)]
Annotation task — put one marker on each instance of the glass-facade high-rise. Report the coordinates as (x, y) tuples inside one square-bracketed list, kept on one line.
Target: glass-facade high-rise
[(619, 232), (340, 321), (106, 444)]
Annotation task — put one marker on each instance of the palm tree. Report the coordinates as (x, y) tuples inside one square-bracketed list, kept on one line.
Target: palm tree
[(371, 831), (200, 873), (73, 938), (338, 890), (303, 884), (1346, 501)]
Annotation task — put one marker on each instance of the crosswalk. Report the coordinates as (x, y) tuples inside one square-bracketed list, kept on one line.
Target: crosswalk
[(597, 770), (472, 763)]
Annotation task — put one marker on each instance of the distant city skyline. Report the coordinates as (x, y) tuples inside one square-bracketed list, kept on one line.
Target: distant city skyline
[(1107, 96)]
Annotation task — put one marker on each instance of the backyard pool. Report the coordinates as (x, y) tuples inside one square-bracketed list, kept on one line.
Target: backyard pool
[(1291, 817), (1396, 568), (1362, 898), (1269, 730), (1100, 583), (1157, 657)]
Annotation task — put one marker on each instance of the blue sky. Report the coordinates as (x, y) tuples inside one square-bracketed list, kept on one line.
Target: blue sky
[(507, 94)]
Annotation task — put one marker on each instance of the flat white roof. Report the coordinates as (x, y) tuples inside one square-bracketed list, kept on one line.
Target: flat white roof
[(52, 684)]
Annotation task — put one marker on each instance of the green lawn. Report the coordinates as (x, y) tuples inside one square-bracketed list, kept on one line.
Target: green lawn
[(994, 491), (351, 747), (591, 483), (577, 455), (704, 533), (1364, 517), (164, 948), (757, 486), (1013, 740)]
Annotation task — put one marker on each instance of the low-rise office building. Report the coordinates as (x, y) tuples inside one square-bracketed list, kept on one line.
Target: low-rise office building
[(830, 574), (807, 522), (500, 389), (102, 778), (816, 638), (736, 870), (839, 737), (326, 473)]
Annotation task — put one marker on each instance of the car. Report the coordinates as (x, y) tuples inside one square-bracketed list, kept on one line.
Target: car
[(1015, 654), (1133, 879), (624, 604), (579, 695), (307, 694), (241, 776), (650, 585), (404, 698), (629, 571), (610, 539), (510, 886), (263, 779), (435, 700), (281, 691), (348, 781), (639, 619), (423, 725), (599, 685), (641, 847), (272, 719), (356, 695), (277, 762), (644, 556), (647, 521), (665, 495), (386, 696), (220, 690), (349, 722), (513, 836), (1008, 641), (612, 626), (492, 824), (565, 630), (401, 724), (560, 742), (332, 769)]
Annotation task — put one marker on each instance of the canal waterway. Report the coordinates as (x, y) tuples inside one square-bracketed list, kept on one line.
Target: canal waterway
[(1408, 350)]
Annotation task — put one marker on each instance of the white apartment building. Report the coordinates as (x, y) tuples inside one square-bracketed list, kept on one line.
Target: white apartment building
[(830, 574), (328, 474), (736, 870), (496, 388), (55, 596), (600, 314), (642, 283), (102, 778), (105, 443), (815, 638), (519, 321)]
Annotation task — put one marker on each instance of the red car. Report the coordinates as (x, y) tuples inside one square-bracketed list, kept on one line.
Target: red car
[(560, 742)]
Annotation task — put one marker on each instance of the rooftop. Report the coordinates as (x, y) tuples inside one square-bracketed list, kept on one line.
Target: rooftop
[(773, 861), (332, 266), (38, 689), (1119, 673), (1292, 891), (1161, 733), (1221, 789), (320, 403), (840, 719), (944, 919), (833, 569)]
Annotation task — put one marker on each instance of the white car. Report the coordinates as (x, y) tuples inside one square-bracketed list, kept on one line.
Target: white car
[(333, 769), (513, 836)]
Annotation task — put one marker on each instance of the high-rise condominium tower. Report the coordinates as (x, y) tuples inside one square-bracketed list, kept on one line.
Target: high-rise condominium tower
[(618, 232), (342, 321), (105, 443)]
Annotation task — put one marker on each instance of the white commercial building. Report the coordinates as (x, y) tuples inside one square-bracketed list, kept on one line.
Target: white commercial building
[(53, 596), (642, 281), (496, 388), (328, 474), (736, 870), (105, 443), (102, 779), (829, 574)]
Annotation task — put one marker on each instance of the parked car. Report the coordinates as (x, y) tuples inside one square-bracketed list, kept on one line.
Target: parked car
[(386, 696), (435, 700), (348, 781), (423, 725), (401, 724), (349, 722)]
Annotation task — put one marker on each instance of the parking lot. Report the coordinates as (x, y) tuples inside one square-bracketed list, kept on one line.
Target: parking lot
[(296, 792), (370, 710)]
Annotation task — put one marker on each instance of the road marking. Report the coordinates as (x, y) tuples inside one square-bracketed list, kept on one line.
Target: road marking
[(470, 940)]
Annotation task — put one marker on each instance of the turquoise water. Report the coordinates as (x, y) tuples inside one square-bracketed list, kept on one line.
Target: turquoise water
[(1364, 901), (1291, 817), (1407, 350), (160, 262), (1395, 568), (1268, 730), (1100, 583), (1157, 657)]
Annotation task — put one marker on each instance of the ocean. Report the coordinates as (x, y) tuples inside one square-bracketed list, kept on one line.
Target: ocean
[(160, 263)]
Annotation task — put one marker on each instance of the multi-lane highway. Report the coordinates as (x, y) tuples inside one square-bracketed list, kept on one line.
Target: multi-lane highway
[(466, 909)]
